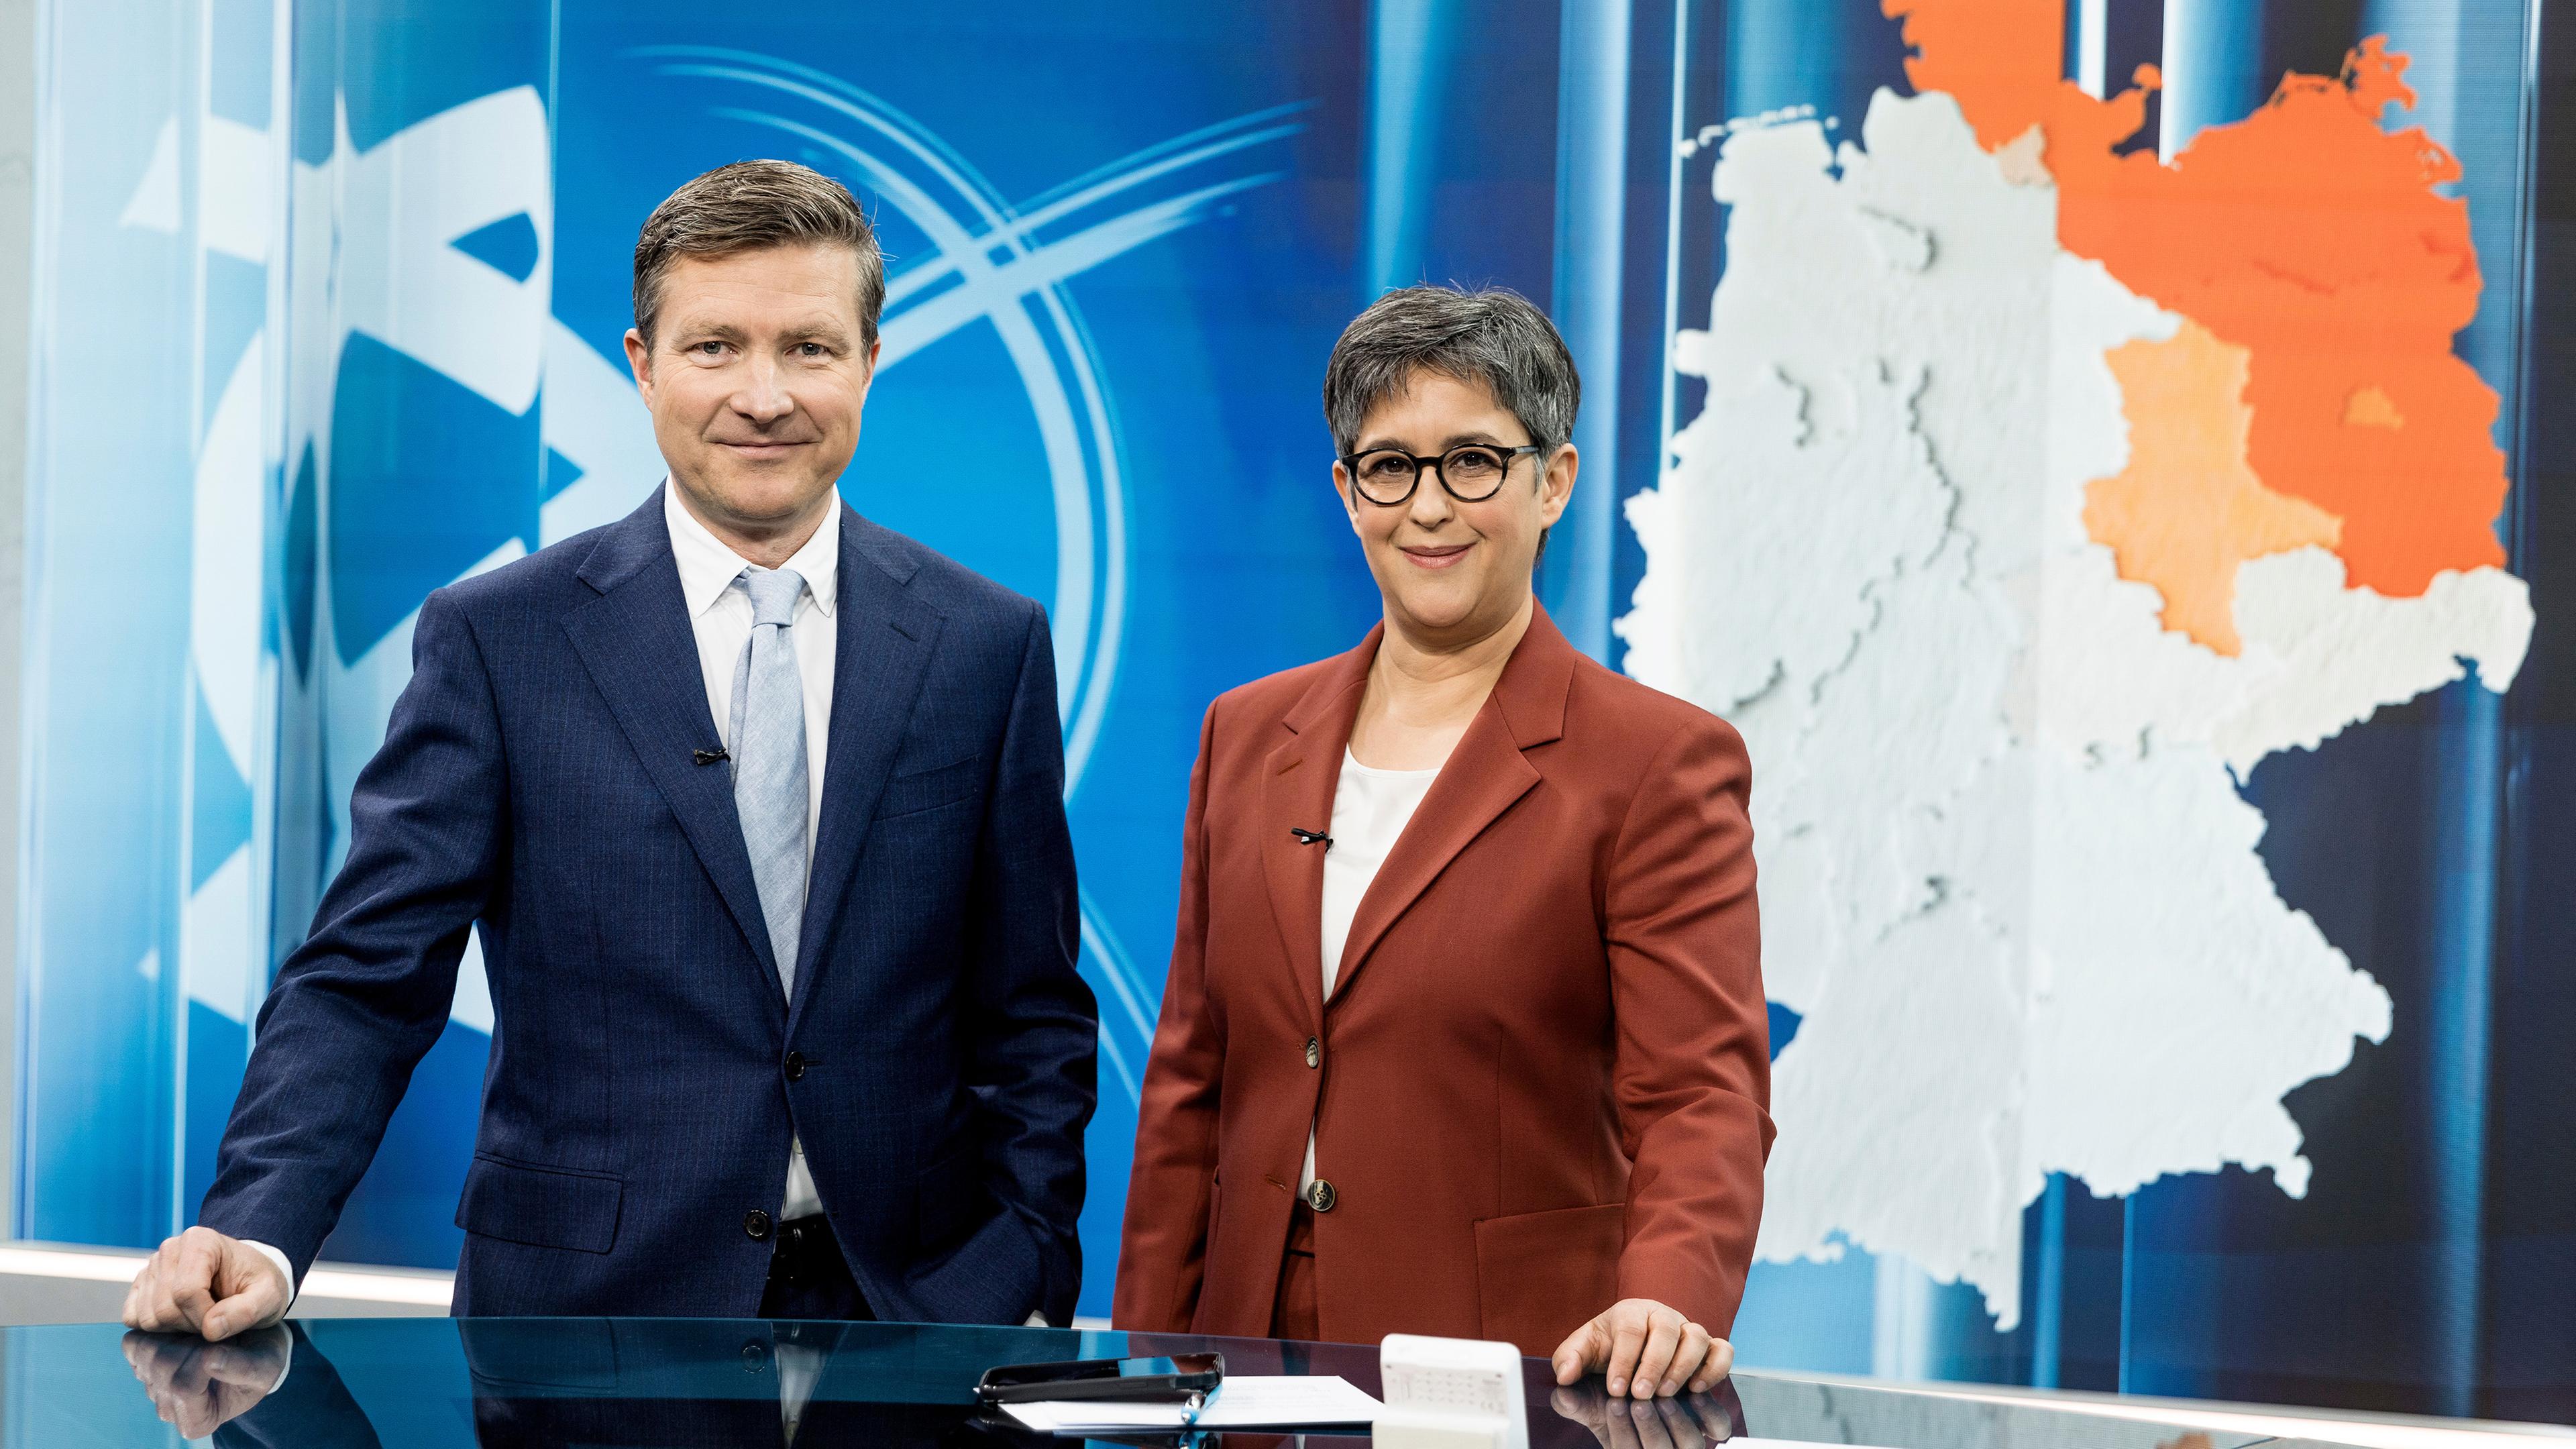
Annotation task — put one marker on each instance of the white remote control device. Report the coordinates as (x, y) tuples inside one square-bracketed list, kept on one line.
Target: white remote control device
[(1450, 1393)]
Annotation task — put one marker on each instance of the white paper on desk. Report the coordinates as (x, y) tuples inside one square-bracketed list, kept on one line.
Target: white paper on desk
[(1248, 1401)]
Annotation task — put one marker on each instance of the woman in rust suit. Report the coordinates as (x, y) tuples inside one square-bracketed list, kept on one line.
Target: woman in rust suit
[(1464, 1031)]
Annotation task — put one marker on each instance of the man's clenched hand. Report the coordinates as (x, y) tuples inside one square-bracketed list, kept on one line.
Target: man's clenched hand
[(204, 1283)]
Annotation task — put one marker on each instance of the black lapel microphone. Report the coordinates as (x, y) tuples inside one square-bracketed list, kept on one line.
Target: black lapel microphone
[(1311, 837), (708, 757)]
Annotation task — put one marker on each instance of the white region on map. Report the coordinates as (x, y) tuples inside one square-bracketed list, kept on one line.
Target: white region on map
[(2007, 878)]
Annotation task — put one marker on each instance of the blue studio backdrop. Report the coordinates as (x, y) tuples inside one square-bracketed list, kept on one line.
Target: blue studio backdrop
[(330, 300)]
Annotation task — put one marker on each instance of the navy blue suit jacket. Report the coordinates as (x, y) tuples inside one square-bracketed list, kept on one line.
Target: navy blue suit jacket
[(537, 778)]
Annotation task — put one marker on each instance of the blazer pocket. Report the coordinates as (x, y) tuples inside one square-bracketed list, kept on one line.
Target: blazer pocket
[(541, 1207), (1540, 1275), (949, 1200), (930, 789)]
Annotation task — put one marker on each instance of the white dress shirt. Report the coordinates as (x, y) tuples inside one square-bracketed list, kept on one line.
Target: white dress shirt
[(1370, 810), (720, 615)]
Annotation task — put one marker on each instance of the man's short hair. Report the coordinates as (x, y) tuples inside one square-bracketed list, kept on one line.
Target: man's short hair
[(744, 207), (1491, 336)]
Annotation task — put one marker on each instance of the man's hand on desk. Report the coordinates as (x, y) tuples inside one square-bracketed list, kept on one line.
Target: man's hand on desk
[(204, 1283), (1644, 1348), (197, 1386)]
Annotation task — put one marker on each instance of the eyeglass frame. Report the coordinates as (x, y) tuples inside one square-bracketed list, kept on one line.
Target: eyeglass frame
[(1433, 463)]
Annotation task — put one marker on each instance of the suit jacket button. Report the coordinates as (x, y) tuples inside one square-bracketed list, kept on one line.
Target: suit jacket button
[(795, 1065), (755, 1225), (1314, 1053), (1320, 1196)]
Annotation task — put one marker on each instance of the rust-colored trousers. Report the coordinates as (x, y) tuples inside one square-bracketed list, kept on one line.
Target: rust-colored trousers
[(1292, 1313)]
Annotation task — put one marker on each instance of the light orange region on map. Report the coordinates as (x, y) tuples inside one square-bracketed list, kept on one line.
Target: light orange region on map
[(2187, 510), (2304, 234)]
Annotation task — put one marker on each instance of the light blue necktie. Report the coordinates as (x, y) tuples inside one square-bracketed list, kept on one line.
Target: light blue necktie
[(768, 749)]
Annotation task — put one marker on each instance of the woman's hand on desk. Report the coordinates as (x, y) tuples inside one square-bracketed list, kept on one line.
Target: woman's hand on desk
[(1644, 1349)]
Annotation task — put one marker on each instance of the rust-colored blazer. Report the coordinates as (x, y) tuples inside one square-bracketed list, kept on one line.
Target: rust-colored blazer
[(1543, 1077)]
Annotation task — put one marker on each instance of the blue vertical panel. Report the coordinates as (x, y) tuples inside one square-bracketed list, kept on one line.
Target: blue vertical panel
[(304, 832), (425, 446), (178, 197), (123, 295), (224, 793), (2211, 75), (2222, 58), (2045, 1252), (2087, 1238), (2529, 1227), (1592, 180), (2471, 98), (2133, 34), (1414, 85), (1465, 191), (1832, 56), (1667, 76)]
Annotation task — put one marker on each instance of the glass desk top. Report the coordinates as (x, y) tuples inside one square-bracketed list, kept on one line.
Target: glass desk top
[(426, 1383)]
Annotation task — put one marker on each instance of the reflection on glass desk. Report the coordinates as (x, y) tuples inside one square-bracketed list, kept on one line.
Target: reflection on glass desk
[(416, 1383)]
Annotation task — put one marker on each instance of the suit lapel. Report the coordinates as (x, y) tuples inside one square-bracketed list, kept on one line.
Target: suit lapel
[(1485, 775), (885, 640), (637, 644), (1298, 779)]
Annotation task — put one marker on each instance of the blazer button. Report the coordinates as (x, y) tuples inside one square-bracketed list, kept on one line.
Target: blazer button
[(795, 1065), (1320, 1196), (1314, 1053), (755, 1225)]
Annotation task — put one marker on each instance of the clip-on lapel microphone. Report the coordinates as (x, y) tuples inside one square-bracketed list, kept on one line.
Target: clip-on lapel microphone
[(1311, 837)]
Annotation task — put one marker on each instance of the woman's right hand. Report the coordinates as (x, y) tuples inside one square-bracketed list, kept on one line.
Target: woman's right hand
[(1644, 1349)]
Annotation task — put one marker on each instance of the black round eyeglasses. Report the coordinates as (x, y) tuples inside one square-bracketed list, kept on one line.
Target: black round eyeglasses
[(1471, 472)]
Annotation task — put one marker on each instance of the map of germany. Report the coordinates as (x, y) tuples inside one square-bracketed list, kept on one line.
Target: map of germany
[(2042, 488)]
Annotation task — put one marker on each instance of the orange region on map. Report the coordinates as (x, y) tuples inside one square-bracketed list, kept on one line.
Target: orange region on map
[(2304, 234), (2187, 510)]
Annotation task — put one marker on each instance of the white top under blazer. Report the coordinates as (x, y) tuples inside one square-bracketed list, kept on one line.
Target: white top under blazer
[(1370, 808)]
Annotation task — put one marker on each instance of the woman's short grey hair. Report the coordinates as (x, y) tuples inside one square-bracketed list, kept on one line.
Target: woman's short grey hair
[(1492, 337)]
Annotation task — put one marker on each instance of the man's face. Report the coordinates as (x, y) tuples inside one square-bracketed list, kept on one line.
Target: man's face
[(755, 377)]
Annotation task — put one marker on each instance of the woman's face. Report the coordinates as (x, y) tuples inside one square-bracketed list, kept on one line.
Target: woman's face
[(1448, 568)]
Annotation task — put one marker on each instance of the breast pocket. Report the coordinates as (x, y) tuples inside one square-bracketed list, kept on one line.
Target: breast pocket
[(933, 789)]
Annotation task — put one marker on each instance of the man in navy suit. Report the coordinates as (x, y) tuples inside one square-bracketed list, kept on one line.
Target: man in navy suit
[(759, 810)]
